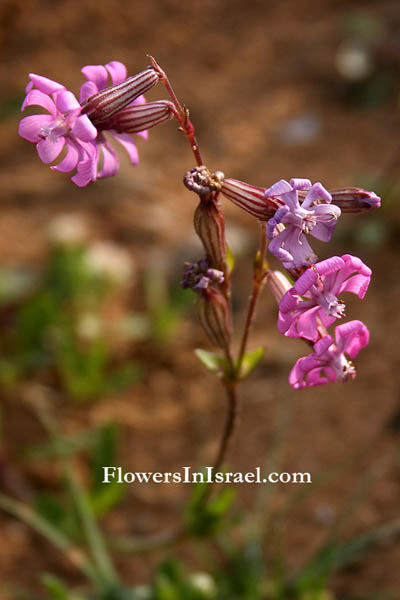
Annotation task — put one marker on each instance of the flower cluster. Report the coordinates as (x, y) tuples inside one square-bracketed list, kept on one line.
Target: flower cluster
[(111, 108), (309, 302), (81, 128)]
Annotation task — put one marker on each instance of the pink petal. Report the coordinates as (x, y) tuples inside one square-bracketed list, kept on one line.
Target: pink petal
[(84, 129), (351, 337), (48, 86), (143, 134), (117, 71), (110, 161), (37, 98), (139, 100), (300, 184), (330, 265), (48, 151), (96, 73), (87, 89), (281, 187), (70, 160), (317, 192), (357, 284), (86, 172), (66, 102), (127, 142), (30, 127)]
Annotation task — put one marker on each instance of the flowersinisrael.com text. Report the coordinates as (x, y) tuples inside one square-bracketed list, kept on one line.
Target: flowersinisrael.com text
[(187, 475)]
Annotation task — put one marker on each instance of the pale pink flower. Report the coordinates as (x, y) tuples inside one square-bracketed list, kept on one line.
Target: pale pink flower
[(63, 126)]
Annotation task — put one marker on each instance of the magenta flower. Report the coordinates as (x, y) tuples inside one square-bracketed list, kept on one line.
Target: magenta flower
[(330, 360), (63, 126), (313, 300), (291, 222), (106, 159)]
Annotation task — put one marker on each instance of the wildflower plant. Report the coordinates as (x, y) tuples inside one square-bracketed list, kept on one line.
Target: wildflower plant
[(289, 214), (310, 295)]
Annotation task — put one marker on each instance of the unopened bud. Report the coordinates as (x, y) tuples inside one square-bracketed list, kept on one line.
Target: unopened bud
[(215, 317), (139, 117), (198, 276), (106, 103), (209, 225), (251, 198), (279, 284), (351, 199)]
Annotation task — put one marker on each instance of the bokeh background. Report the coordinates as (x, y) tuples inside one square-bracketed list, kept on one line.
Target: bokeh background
[(276, 90)]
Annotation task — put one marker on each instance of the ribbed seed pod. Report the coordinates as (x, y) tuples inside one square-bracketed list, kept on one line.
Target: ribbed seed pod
[(106, 103), (209, 225), (250, 198), (215, 317)]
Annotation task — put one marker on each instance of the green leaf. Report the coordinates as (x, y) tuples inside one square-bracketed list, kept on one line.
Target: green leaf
[(204, 517), (212, 361), (250, 361), (54, 587)]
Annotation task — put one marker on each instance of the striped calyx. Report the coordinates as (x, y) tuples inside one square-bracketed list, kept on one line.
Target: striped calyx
[(139, 117), (250, 198), (106, 103), (215, 317), (209, 225), (354, 200)]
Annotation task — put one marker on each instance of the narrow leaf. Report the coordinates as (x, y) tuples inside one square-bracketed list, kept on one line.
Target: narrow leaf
[(250, 361), (213, 362)]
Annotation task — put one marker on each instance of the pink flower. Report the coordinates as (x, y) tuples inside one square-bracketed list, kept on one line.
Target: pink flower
[(313, 300), (63, 126), (106, 160), (331, 361), (293, 221)]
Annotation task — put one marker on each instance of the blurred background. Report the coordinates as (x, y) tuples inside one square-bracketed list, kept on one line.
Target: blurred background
[(97, 332)]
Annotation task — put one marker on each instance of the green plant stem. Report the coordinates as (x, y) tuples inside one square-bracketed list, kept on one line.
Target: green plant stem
[(259, 273), (91, 530), (150, 543), (75, 555), (92, 533)]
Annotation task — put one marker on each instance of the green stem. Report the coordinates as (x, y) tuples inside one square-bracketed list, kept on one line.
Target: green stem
[(92, 533), (91, 530), (259, 273), (75, 555)]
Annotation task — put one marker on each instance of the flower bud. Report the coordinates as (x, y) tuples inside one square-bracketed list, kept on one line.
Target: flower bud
[(106, 103), (139, 117), (252, 199), (215, 317), (209, 225), (353, 200), (198, 276)]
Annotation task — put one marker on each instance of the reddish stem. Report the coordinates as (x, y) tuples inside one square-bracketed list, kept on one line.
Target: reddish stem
[(181, 114), (258, 282)]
